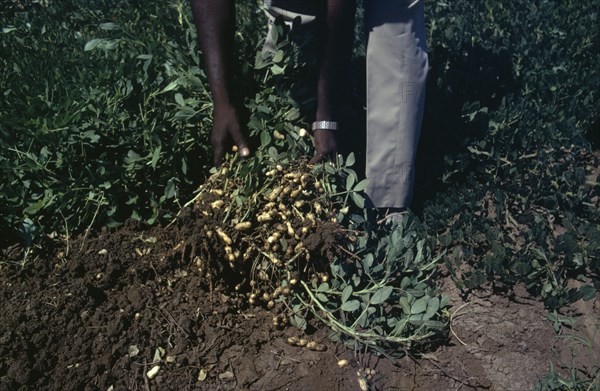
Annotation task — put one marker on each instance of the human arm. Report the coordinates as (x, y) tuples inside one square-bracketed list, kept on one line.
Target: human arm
[(215, 24), (336, 33)]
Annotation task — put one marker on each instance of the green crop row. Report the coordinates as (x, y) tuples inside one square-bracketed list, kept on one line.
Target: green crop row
[(521, 196), (104, 113)]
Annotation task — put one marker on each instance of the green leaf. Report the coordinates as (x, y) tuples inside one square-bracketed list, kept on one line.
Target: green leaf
[(277, 70), (350, 160), (108, 26), (265, 138), (361, 185), (170, 87), (273, 154), (359, 200), (278, 56), (179, 99), (350, 306), (588, 292), (368, 261), (405, 283), (444, 301), (381, 295), (346, 293), (350, 182), (298, 321), (132, 157), (170, 190), (432, 308), (329, 168), (93, 44), (420, 305), (405, 304), (292, 114)]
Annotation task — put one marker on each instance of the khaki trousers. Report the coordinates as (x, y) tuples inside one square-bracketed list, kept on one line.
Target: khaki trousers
[(397, 65)]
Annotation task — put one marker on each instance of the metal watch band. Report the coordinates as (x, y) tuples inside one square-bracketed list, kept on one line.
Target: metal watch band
[(324, 125)]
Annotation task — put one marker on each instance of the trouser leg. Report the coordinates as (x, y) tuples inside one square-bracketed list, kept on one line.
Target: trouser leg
[(397, 65)]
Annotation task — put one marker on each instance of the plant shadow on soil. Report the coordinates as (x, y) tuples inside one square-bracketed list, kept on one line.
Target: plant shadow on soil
[(100, 315)]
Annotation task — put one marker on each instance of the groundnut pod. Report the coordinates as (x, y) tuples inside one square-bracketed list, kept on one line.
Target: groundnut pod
[(293, 341), (312, 345), (342, 363), (290, 229), (295, 193), (292, 175), (264, 217), (298, 247), (274, 193), (224, 237), (318, 208), (304, 180), (243, 226), (217, 204)]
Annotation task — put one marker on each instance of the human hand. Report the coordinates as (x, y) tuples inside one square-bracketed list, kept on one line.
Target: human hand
[(226, 124), (325, 145)]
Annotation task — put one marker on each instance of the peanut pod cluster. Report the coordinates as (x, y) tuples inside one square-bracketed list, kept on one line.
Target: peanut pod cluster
[(266, 231)]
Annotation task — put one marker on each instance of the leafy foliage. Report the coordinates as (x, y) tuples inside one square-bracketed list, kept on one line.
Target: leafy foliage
[(522, 203), (114, 122), (382, 295)]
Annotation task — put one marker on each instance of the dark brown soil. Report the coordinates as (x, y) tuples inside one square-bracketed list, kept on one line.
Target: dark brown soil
[(104, 310)]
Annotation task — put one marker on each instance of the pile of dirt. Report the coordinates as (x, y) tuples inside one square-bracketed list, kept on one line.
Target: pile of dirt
[(102, 311)]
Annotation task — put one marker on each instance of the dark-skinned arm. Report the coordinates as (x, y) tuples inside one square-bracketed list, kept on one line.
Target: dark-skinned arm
[(215, 24), (336, 32)]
